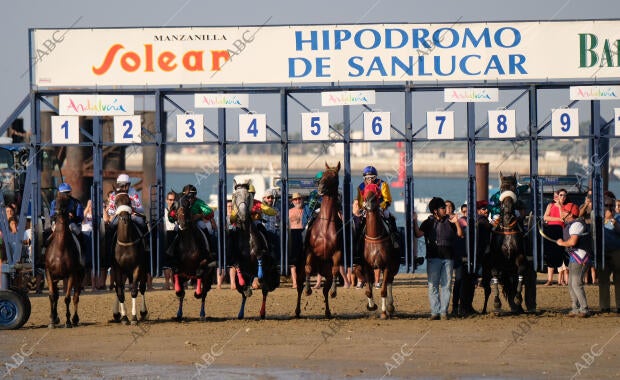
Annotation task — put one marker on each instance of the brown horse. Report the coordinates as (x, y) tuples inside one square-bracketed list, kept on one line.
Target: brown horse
[(379, 253), (323, 243), (252, 251), (62, 262), (129, 262), (191, 252)]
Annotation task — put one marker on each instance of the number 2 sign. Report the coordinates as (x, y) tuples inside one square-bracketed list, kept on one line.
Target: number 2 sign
[(127, 129), (565, 122)]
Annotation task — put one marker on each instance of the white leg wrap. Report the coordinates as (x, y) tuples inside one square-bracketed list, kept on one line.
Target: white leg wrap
[(123, 313), (371, 302), (383, 303), (133, 306)]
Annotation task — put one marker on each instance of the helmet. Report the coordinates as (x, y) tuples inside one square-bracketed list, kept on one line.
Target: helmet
[(251, 189), (122, 179), (189, 189), (435, 204), (64, 188), (369, 170), (318, 176)]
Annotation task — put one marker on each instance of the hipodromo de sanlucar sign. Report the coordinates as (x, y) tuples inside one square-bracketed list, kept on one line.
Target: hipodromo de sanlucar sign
[(204, 56)]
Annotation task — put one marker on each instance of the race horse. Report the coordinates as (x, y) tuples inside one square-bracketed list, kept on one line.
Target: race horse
[(252, 251), (379, 253), (62, 262), (506, 262), (323, 242), (191, 251), (129, 263)]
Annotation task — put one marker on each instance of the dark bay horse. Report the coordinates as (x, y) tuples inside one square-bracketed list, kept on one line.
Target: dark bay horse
[(129, 262), (323, 243), (253, 255), (379, 253), (191, 251), (62, 262), (507, 261)]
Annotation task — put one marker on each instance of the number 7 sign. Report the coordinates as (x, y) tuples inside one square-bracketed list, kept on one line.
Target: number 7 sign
[(440, 125)]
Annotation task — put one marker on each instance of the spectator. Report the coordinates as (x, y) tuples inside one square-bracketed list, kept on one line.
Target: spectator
[(554, 219), (171, 227), (296, 217), (439, 234), (577, 248), (611, 234), (585, 213), (17, 132), (87, 236)]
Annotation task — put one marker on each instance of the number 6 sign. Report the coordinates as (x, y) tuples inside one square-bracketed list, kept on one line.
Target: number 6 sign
[(440, 125), (65, 130), (127, 129), (377, 126), (565, 122)]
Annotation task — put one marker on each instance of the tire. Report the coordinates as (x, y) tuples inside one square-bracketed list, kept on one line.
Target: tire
[(14, 309), (28, 306)]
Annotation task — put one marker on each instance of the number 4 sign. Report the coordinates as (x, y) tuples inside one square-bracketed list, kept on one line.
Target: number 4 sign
[(65, 130), (253, 127), (565, 122), (127, 129)]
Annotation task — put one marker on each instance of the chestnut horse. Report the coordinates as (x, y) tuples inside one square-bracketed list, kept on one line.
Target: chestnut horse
[(191, 252), (129, 263), (252, 251), (62, 262), (379, 253), (323, 243)]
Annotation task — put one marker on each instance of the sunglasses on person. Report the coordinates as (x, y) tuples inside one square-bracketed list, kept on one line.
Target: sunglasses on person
[(170, 199)]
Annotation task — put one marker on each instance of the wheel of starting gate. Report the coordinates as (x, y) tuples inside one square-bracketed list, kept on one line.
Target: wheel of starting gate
[(14, 309)]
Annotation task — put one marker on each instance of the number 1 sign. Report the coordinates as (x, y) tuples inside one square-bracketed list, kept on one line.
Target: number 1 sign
[(65, 130)]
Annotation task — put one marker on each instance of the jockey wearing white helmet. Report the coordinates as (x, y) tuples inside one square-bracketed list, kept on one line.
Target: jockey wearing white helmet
[(137, 216)]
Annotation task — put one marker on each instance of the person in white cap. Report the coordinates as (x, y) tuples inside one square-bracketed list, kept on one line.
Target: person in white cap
[(137, 216)]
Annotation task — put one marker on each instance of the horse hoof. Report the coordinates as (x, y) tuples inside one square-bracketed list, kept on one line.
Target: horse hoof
[(68, 325), (197, 296), (143, 315), (125, 320), (328, 314), (51, 326), (247, 292), (75, 320), (262, 316), (332, 294), (239, 316), (308, 291), (390, 309), (384, 315), (116, 317), (371, 308)]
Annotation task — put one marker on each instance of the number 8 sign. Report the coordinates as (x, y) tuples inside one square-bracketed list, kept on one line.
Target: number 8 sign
[(127, 129), (65, 130), (565, 122), (502, 124)]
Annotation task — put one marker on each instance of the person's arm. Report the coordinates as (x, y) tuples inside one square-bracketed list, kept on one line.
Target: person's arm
[(79, 212), (571, 242), (548, 218), (387, 196), (268, 210), (455, 220), (416, 230)]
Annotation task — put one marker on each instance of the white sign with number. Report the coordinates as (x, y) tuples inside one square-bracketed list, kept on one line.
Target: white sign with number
[(377, 126), (253, 127), (565, 122), (127, 129), (190, 128), (617, 119), (65, 130), (315, 126), (502, 124), (440, 125)]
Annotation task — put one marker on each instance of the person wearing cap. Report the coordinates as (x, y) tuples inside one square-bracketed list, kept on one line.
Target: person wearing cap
[(440, 233), (576, 243), (75, 211), (203, 215), (272, 223), (137, 215)]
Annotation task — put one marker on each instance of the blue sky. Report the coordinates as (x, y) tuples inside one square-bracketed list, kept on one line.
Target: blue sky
[(18, 16)]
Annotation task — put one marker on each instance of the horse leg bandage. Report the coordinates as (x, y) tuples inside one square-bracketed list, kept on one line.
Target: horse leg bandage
[(177, 284), (240, 277), (260, 269)]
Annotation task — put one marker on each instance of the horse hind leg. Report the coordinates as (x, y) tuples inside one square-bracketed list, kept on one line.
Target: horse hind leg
[(390, 299), (497, 303), (68, 287), (328, 313), (241, 313), (518, 299), (76, 300), (301, 276), (263, 305)]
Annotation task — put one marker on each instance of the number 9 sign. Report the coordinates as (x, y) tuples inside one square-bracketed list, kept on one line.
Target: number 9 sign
[(65, 130), (315, 126), (502, 124), (253, 127), (440, 125), (565, 122), (127, 129), (377, 126), (189, 128)]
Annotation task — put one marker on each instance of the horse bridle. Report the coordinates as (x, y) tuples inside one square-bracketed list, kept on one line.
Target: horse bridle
[(126, 219)]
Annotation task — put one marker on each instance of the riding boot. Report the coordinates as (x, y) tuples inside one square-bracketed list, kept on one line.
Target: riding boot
[(211, 258), (394, 235)]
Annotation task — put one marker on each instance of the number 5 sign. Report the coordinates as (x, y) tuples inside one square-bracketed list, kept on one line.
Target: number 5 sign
[(377, 126), (502, 124), (315, 126), (253, 127), (65, 130), (440, 125), (565, 122), (127, 129)]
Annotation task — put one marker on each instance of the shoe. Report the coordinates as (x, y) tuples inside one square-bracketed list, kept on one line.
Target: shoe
[(435, 317), (378, 285), (444, 317), (585, 314)]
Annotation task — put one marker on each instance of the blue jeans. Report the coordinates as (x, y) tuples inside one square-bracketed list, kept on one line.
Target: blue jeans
[(439, 273)]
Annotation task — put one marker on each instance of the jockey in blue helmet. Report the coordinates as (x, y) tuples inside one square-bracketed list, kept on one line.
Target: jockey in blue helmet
[(75, 211)]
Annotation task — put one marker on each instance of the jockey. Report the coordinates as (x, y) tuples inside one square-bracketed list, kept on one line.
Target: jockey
[(76, 215), (258, 209), (201, 214), (385, 200), (137, 215)]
